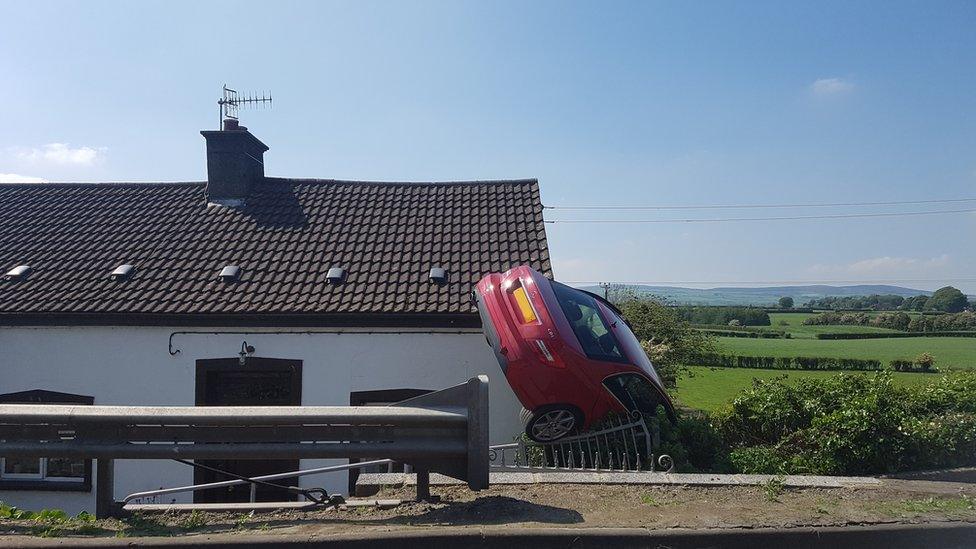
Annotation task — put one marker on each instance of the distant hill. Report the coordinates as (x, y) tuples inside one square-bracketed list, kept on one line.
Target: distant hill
[(763, 296)]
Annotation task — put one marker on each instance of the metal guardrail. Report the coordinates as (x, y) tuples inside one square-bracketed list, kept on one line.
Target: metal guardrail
[(623, 444), (445, 432)]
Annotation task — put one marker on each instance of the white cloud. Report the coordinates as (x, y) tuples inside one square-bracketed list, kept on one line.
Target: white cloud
[(62, 153), (885, 267), (831, 86), (17, 178)]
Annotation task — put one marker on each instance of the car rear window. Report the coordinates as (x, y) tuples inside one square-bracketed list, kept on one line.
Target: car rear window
[(588, 323)]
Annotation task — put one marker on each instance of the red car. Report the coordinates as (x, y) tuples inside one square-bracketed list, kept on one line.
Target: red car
[(568, 354)]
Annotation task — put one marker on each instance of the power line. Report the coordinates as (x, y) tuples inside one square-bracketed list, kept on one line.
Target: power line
[(805, 282), (745, 206), (777, 218)]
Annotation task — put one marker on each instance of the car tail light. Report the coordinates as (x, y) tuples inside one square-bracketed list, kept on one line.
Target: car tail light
[(545, 354), (524, 306)]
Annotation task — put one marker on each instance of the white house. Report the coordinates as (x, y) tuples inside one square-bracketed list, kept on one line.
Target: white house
[(337, 286)]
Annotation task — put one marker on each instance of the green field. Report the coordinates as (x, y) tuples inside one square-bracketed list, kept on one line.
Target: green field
[(711, 388), (949, 352), (793, 323)]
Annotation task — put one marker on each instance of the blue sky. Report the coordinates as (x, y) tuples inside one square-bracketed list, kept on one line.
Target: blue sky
[(644, 103)]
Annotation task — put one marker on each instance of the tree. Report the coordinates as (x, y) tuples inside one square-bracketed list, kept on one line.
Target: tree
[(914, 303), (670, 342), (786, 302), (947, 299)]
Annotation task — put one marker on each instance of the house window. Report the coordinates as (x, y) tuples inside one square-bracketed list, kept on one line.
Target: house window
[(67, 474)]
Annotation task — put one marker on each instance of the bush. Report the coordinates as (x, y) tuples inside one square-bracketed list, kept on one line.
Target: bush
[(851, 424), (901, 365), (747, 316), (925, 362), (694, 444), (965, 321)]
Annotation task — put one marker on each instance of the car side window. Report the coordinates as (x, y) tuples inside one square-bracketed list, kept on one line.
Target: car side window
[(588, 324)]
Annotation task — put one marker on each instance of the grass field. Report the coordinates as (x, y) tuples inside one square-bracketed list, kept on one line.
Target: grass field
[(949, 352), (711, 388), (793, 323)]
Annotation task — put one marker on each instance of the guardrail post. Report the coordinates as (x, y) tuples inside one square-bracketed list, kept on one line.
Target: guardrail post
[(105, 505), (423, 485), (478, 432)]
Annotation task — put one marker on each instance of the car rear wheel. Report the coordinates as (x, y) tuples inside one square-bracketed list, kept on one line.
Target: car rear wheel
[(551, 423)]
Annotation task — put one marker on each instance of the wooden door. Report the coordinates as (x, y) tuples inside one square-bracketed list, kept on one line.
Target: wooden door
[(260, 382)]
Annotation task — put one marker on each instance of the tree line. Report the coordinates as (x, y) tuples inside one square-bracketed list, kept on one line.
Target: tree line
[(947, 299), (898, 320)]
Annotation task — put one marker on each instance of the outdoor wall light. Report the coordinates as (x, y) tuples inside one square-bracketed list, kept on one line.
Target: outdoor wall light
[(246, 352)]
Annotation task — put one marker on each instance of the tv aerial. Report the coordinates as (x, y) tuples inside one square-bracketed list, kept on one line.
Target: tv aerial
[(232, 101)]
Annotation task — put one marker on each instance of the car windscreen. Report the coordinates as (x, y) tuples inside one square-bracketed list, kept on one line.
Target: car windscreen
[(588, 323), (631, 346), (635, 392)]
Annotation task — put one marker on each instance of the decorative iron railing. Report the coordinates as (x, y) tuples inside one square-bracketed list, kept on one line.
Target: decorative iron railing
[(621, 444)]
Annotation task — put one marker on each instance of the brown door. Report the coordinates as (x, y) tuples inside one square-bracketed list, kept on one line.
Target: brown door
[(260, 382)]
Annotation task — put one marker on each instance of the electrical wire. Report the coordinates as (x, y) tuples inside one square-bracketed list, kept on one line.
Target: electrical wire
[(747, 206), (317, 495), (778, 282), (775, 218)]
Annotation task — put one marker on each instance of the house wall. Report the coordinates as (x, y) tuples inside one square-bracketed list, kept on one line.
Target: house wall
[(133, 366)]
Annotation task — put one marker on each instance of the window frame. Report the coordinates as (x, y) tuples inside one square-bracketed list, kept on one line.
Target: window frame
[(40, 481)]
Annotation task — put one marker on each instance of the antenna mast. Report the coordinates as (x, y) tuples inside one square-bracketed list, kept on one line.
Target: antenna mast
[(231, 102)]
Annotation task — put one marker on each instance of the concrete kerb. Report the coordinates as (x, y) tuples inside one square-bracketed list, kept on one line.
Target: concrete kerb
[(372, 480), (894, 536)]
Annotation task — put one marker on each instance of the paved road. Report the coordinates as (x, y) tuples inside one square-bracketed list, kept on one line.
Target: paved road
[(892, 536)]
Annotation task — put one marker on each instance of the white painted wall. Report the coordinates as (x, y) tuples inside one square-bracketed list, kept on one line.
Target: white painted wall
[(132, 365)]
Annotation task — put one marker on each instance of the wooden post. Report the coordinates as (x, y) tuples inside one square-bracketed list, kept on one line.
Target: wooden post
[(105, 505), (423, 485)]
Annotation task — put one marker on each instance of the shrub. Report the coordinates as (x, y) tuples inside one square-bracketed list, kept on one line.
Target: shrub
[(901, 365), (851, 424), (694, 444), (924, 362), (747, 316), (964, 321)]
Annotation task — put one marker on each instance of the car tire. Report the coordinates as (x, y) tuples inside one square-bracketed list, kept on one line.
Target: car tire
[(551, 423)]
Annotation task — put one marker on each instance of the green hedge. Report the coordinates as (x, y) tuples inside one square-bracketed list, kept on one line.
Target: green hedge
[(882, 335), (789, 363), (751, 334), (726, 327), (850, 424)]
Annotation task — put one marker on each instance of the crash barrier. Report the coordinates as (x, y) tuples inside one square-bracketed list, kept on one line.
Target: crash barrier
[(444, 431), (622, 444)]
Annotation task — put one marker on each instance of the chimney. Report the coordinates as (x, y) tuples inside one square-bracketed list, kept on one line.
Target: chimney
[(235, 163)]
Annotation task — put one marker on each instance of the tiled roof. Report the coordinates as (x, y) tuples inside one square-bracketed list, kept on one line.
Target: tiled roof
[(386, 235)]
